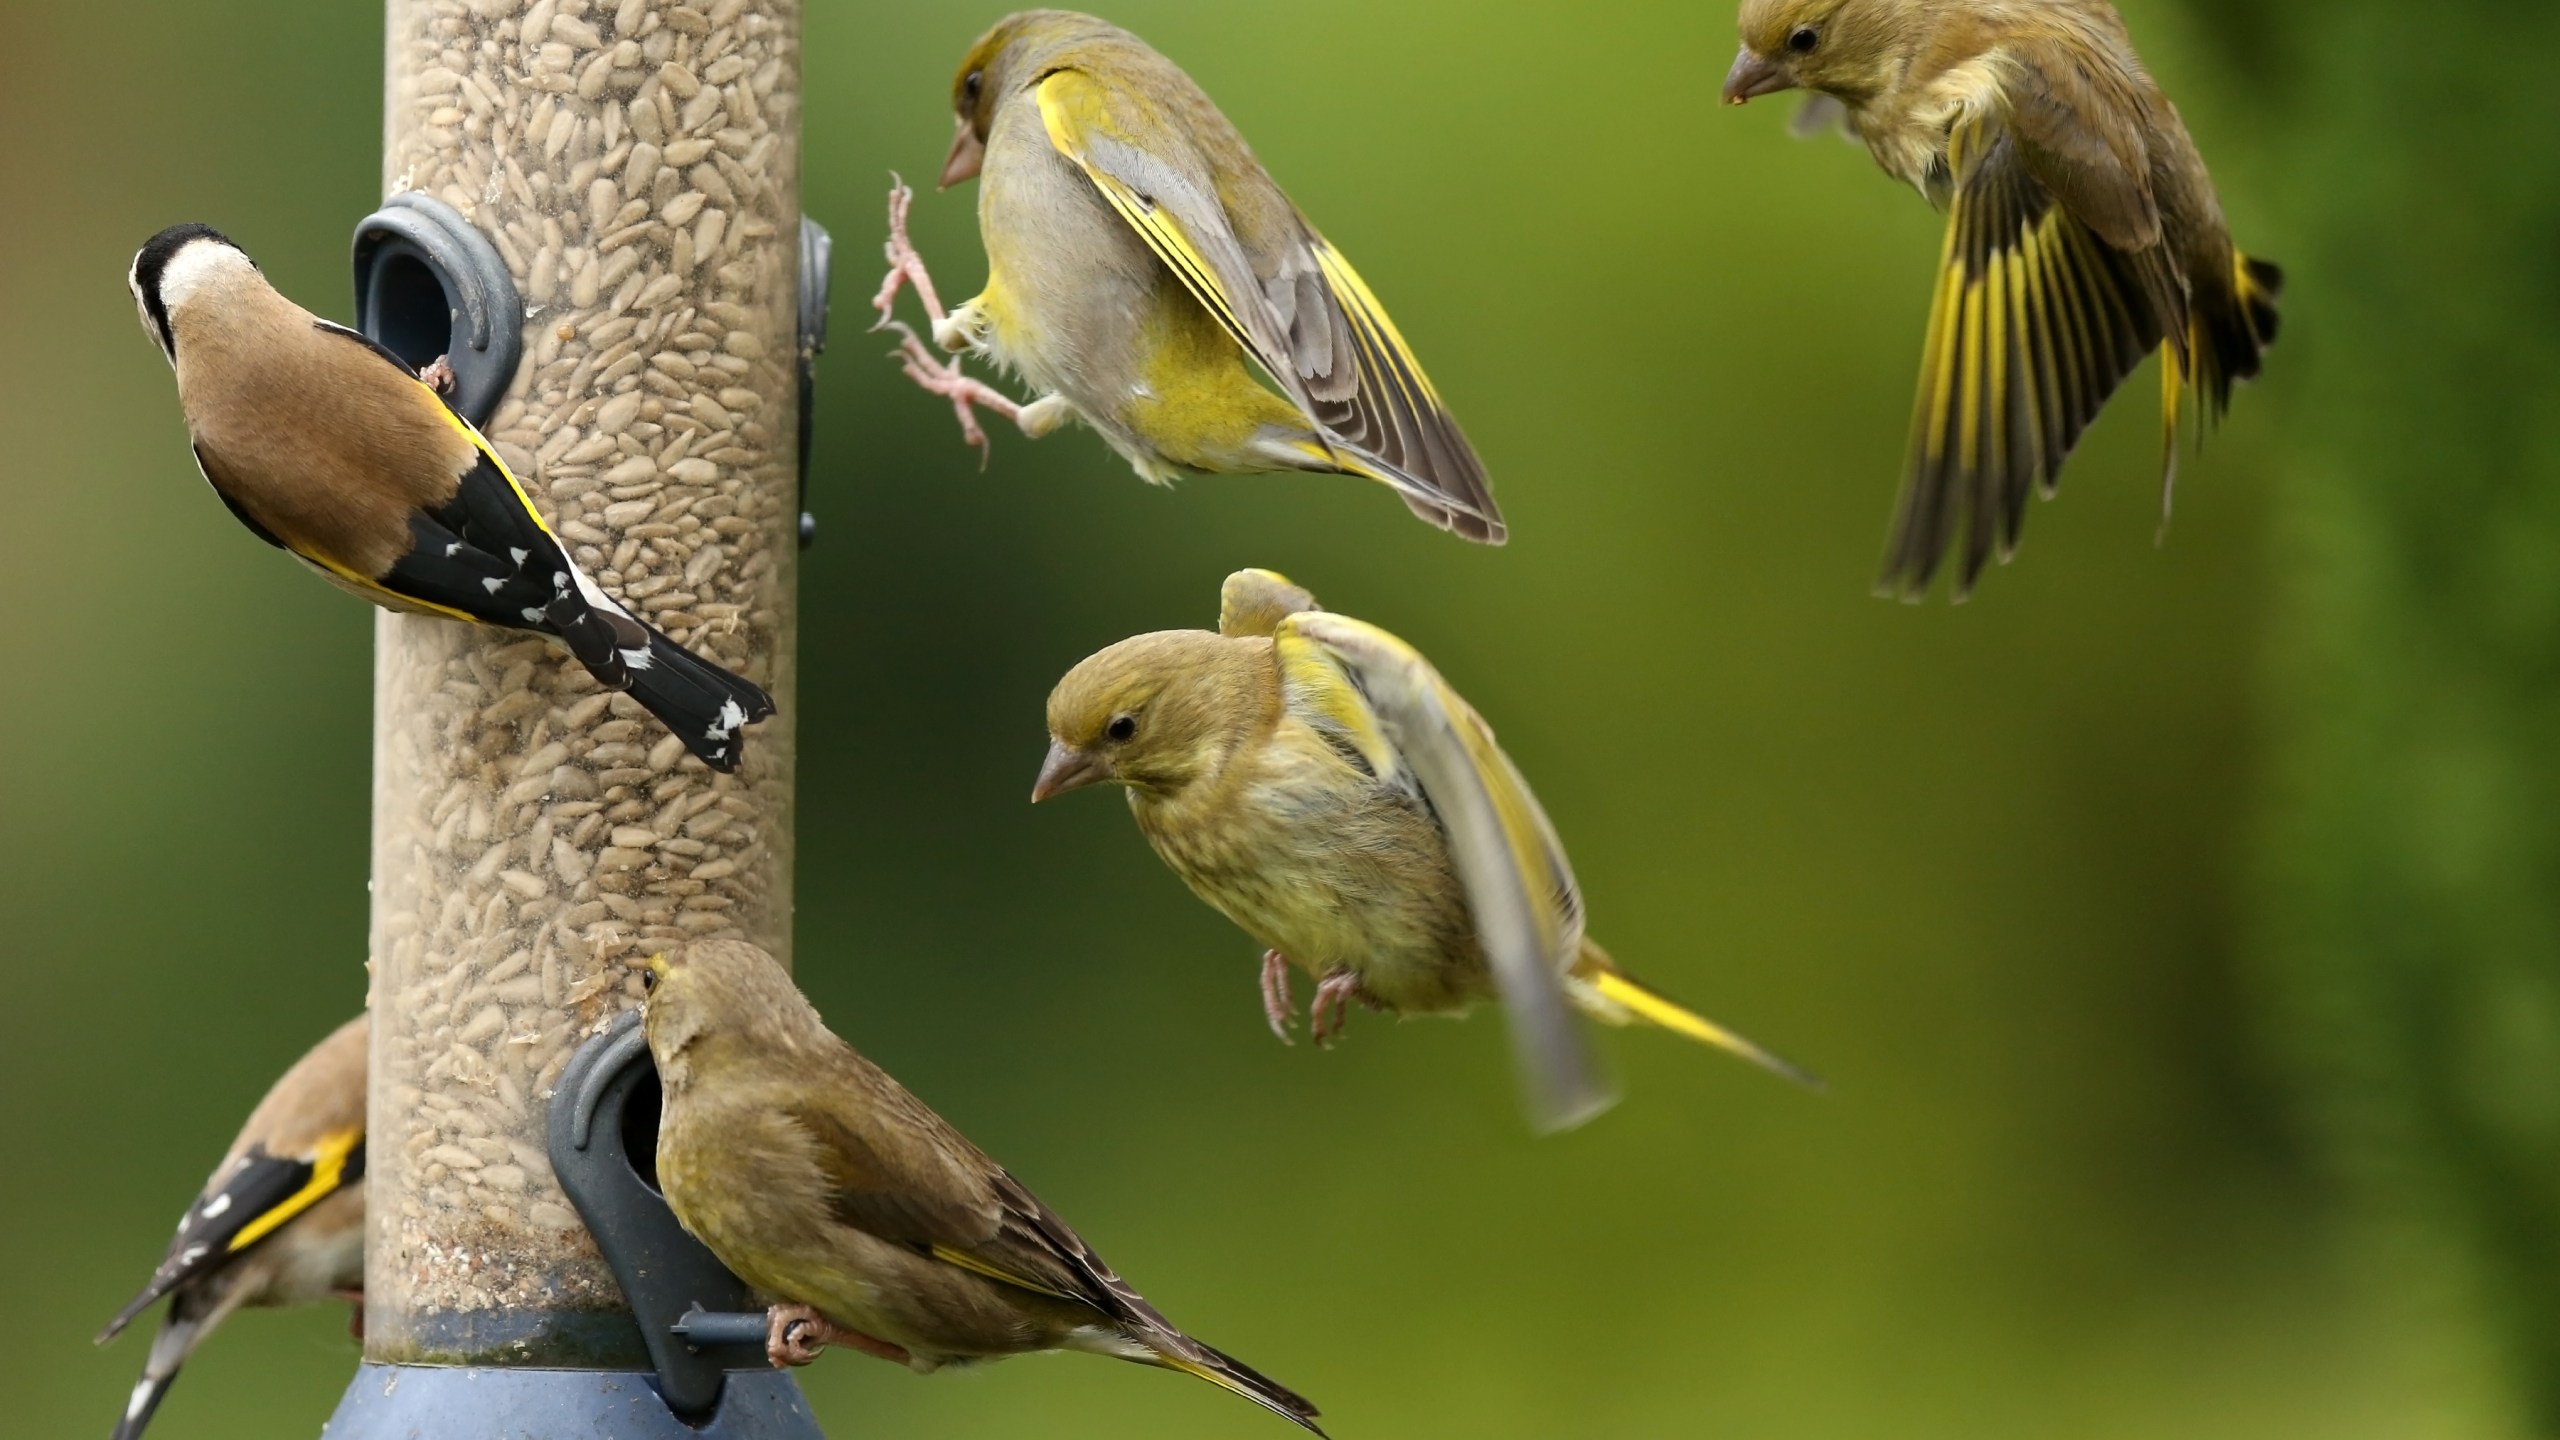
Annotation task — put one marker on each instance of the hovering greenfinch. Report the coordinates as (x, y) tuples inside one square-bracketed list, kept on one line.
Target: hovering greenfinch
[(820, 1181), (1318, 783), (1141, 266), (281, 1222), (2083, 234)]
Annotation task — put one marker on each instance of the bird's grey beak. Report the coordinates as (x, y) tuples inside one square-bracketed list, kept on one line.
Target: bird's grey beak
[(967, 152), (1752, 77), (1068, 768)]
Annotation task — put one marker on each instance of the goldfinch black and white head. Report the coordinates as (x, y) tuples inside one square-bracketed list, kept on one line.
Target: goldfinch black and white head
[(177, 267)]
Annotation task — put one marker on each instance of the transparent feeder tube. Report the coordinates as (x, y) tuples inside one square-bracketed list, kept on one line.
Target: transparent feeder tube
[(536, 838)]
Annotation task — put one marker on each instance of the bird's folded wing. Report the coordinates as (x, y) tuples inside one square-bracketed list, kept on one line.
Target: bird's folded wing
[(1290, 299), (1386, 700), (257, 1195), (2036, 321), (1170, 197), (1254, 602), (901, 1174)]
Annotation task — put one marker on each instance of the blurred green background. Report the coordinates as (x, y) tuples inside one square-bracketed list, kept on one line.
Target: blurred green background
[(2175, 922)]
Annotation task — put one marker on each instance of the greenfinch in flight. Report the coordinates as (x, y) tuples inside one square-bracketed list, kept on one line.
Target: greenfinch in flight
[(1142, 266), (821, 1181), (1318, 783), (2083, 234)]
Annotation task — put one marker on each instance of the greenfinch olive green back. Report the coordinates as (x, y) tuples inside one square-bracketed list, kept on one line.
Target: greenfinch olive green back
[(1143, 266), (821, 1181), (1316, 781), (2083, 234)]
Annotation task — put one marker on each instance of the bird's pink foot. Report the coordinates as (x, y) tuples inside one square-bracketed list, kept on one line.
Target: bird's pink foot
[(1334, 995), (944, 377), (795, 1334), (937, 375), (438, 376), (1281, 1010), (906, 267)]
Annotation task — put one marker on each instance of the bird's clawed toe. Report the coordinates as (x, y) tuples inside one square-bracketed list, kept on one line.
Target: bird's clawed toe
[(1277, 1006), (1332, 1004)]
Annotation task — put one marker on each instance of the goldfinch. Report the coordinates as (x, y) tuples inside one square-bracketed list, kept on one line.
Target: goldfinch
[(2083, 234), (1141, 266), (820, 1181), (1318, 783), (331, 448), (280, 1223)]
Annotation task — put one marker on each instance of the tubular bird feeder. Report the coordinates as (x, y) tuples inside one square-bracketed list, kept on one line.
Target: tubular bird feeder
[(631, 166)]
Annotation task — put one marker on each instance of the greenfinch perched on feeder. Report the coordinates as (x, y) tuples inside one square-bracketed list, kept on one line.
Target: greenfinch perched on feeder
[(2083, 233), (1318, 783), (280, 1223), (329, 447), (1142, 266), (820, 1181)]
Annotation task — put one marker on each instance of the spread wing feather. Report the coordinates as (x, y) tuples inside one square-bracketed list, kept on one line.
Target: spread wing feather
[(2037, 320)]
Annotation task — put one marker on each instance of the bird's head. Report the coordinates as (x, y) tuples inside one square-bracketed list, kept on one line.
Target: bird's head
[(179, 268), (1850, 50), (1157, 712), (1013, 53), (715, 993)]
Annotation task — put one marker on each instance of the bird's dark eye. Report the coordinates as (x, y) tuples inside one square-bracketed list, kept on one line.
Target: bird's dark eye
[(648, 981), (1803, 38), (969, 87), (1122, 729)]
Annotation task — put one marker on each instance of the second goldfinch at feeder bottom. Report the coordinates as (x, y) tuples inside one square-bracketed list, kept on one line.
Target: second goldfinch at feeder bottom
[(1315, 780), (821, 1181), (2083, 234), (280, 1223), (328, 446), (1141, 265)]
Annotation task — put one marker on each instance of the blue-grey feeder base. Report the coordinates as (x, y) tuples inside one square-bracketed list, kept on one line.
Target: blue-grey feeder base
[(462, 1402)]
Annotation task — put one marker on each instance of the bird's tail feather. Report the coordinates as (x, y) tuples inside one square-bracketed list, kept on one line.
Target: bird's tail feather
[(1228, 1373), (2228, 333), (705, 706), (1432, 503), (2233, 333), (1612, 995), (169, 1350)]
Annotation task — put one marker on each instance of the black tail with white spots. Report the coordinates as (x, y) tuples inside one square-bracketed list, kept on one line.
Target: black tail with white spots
[(169, 1350), (705, 706)]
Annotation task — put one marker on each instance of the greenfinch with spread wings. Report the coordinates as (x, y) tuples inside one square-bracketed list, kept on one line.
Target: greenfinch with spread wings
[(1143, 270), (1316, 781), (822, 1182), (2083, 234)]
